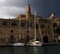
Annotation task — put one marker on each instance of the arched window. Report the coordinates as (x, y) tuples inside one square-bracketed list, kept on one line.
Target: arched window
[(22, 23), (5, 23), (37, 25), (11, 31), (58, 31), (14, 23), (29, 24), (54, 25), (42, 26)]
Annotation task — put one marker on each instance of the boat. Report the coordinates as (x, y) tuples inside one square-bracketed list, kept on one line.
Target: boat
[(18, 44), (34, 42)]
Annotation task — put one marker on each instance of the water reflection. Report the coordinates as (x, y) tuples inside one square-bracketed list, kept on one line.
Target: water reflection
[(30, 50), (12, 50), (27, 50), (45, 50), (35, 50), (5, 50)]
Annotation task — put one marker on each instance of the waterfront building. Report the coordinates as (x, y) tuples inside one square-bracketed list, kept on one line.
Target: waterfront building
[(23, 26)]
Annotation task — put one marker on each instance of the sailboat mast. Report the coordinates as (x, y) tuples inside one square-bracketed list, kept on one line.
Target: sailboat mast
[(20, 31), (35, 25), (19, 28), (29, 27)]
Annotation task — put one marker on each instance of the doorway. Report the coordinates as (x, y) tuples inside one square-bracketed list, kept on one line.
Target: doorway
[(45, 39), (12, 39)]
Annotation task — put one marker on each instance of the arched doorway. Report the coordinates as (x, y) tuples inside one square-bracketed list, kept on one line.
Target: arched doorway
[(12, 39), (27, 39), (45, 39)]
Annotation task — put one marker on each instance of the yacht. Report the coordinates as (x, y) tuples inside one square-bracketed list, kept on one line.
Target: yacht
[(35, 42), (18, 44)]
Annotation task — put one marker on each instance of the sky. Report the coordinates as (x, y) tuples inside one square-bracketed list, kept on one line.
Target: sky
[(11, 8)]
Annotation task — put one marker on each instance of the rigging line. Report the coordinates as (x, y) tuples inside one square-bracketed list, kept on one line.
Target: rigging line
[(19, 27), (39, 29), (29, 27)]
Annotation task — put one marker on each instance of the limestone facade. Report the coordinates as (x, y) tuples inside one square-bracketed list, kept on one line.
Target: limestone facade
[(14, 30)]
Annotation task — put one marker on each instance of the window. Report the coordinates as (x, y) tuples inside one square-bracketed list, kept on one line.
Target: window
[(29, 24), (36, 25), (5, 23), (42, 32), (45, 31), (14, 23), (54, 25), (28, 31), (22, 23), (42, 25), (48, 26), (11, 31), (57, 31)]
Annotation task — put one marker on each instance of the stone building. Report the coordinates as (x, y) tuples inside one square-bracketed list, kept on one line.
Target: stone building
[(22, 26)]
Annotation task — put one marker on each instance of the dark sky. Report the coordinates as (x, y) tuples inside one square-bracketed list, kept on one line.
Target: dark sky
[(11, 8), (46, 7)]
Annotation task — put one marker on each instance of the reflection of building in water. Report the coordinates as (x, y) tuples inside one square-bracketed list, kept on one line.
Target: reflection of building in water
[(15, 30)]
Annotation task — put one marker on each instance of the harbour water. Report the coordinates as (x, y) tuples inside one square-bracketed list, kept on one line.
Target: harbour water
[(30, 50)]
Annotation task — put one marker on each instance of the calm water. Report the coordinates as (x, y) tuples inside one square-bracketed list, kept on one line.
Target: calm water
[(30, 50)]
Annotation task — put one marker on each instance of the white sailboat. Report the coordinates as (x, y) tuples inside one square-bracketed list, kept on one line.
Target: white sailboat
[(35, 42), (18, 43)]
